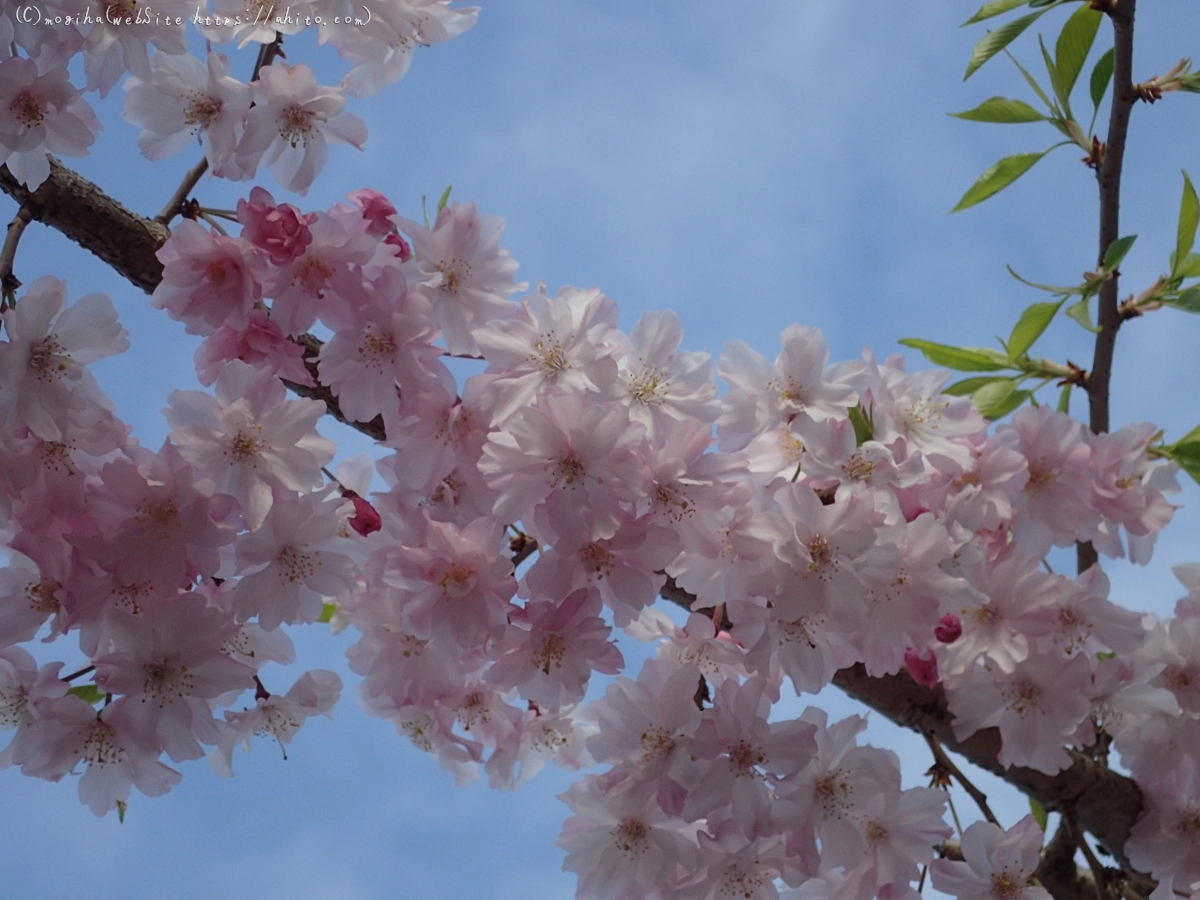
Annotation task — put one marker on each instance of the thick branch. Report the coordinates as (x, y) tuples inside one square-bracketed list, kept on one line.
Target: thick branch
[(79, 209), (1106, 804)]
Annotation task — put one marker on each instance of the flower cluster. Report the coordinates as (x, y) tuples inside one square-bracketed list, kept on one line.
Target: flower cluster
[(282, 118), (819, 516)]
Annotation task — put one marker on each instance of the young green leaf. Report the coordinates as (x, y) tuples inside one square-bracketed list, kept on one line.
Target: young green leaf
[(424, 212), (1064, 399), (968, 386), (998, 177), (1189, 217), (1074, 44), (999, 398), (1189, 268), (327, 611), (1188, 301), (864, 430), (1117, 251), (995, 41), (1055, 81), (1032, 82), (1101, 76), (121, 807), (962, 359), (995, 8), (445, 198), (1039, 813), (1002, 111), (1081, 314), (1033, 322), (1048, 288), (1186, 454), (87, 692)]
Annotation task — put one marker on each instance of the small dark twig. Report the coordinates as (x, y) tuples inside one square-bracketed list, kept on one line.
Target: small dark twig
[(175, 205), (944, 761), (1080, 839), (81, 672), (8, 255)]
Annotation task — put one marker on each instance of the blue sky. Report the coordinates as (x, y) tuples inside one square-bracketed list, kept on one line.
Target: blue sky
[(748, 165)]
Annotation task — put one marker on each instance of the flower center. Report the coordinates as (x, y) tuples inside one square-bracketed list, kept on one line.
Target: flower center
[(552, 651), (631, 837), (28, 108), (296, 125)]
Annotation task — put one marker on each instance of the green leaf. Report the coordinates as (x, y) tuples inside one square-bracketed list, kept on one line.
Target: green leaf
[(1075, 43), (1117, 251), (1064, 99), (1106, 654), (995, 8), (1064, 399), (1189, 217), (1192, 437), (1101, 76), (995, 41), (424, 212), (968, 386), (999, 398), (1002, 111), (1039, 812), (1188, 301), (1190, 268), (1082, 314), (1033, 322), (864, 430), (87, 692), (1186, 454), (327, 611), (445, 198), (962, 359), (1031, 81), (121, 807), (1048, 288), (997, 178)]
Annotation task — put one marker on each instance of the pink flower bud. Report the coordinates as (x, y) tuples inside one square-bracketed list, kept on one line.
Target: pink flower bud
[(279, 230), (402, 249), (376, 209), (923, 671), (366, 518), (948, 629)]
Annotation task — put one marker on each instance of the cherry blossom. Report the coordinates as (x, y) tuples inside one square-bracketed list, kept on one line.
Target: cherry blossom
[(291, 123), (997, 864), (249, 439)]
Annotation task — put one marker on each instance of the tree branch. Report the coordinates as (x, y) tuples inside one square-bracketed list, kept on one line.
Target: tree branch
[(127, 242), (1108, 175)]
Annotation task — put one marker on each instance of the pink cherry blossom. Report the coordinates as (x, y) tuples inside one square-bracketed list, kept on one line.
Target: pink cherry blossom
[(461, 267), (42, 365), (249, 439), (551, 342), (997, 865), (279, 230), (209, 280), (291, 123), (42, 113), (184, 99), (550, 655)]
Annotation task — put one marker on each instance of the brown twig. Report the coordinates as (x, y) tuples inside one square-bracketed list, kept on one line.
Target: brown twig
[(1094, 864), (8, 255), (1108, 176), (980, 798)]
